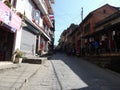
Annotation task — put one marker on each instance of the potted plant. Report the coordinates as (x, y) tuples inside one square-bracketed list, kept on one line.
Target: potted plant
[(18, 56), (22, 16), (8, 3)]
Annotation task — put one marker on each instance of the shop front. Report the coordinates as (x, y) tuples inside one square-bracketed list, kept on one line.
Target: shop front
[(9, 24), (6, 43), (29, 38), (28, 42)]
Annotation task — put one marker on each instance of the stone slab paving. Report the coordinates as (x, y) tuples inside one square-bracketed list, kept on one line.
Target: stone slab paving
[(14, 79), (70, 73), (44, 79), (62, 72), (4, 65)]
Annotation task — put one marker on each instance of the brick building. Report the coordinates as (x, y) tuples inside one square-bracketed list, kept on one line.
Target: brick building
[(87, 26)]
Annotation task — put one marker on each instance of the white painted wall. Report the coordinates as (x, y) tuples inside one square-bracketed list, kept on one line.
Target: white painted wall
[(26, 6), (20, 7), (18, 39)]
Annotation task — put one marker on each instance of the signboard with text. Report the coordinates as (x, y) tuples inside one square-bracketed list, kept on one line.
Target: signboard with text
[(8, 17)]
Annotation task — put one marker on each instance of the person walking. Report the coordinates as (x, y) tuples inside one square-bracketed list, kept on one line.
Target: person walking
[(96, 47)]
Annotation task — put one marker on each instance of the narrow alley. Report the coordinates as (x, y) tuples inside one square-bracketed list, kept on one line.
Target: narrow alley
[(64, 72)]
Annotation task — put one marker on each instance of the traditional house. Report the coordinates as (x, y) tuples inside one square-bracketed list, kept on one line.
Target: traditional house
[(108, 32), (67, 39), (87, 26), (63, 41)]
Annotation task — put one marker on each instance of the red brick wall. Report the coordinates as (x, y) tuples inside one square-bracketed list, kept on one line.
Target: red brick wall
[(98, 15), (103, 12)]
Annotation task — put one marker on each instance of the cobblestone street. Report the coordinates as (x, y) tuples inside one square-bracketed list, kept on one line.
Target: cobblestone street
[(16, 75), (59, 45), (61, 72), (72, 73)]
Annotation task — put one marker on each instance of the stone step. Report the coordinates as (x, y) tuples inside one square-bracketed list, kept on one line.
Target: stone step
[(34, 60)]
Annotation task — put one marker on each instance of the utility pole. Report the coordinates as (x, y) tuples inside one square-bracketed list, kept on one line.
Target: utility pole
[(82, 14), (81, 28)]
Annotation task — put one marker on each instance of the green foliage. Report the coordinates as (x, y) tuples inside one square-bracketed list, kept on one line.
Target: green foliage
[(8, 4), (18, 53)]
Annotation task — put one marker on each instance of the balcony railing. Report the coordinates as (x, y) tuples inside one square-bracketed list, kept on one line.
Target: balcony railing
[(49, 6), (41, 5)]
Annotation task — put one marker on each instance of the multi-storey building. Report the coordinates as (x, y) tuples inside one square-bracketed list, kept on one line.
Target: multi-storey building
[(63, 40), (87, 26), (34, 32), (10, 23), (109, 27), (67, 39), (88, 30)]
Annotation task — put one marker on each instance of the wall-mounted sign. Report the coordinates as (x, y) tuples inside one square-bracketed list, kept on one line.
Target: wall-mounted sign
[(51, 17), (8, 17), (36, 15)]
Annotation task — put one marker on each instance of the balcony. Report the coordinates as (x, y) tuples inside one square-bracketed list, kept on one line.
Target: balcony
[(47, 20), (42, 6), (49, 7)]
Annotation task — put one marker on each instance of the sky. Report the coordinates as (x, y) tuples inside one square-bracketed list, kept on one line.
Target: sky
[(67, 12)]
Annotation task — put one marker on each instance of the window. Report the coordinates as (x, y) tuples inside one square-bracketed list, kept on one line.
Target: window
[(104, 11), (87, 28)]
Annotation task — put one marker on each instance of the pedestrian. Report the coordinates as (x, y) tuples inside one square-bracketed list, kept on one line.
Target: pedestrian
[(96, 46)]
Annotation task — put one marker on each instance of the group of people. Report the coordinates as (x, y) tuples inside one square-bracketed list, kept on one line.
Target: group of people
[(104, 45), (95, 46)]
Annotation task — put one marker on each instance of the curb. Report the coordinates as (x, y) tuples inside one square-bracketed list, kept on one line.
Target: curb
[(40, 60)]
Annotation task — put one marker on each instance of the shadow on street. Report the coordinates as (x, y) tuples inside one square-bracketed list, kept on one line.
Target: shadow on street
[(95, 77)]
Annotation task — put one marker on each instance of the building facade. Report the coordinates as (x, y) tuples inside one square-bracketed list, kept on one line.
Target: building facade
[(36, 32), (89, 36), (108, 34), (87, 27), (10, 23), (67, 39)]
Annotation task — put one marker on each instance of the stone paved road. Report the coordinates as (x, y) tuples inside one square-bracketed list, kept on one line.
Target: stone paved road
[(13, 78), (64, 72)]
